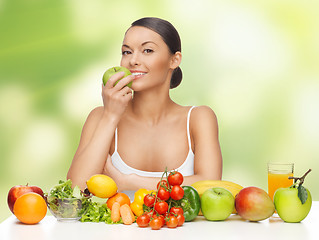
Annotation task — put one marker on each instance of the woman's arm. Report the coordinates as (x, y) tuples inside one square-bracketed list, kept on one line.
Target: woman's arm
[(93, 149), (135, 182), (98, 131), (204, 131), (208, 158)]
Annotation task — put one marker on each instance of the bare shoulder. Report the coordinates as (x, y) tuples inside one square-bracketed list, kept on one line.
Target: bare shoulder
[(92, 119), (202, 114), (89, 126), (96, 112), (203, 118)]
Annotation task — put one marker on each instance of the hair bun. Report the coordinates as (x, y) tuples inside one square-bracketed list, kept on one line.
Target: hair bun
[(176, 77)]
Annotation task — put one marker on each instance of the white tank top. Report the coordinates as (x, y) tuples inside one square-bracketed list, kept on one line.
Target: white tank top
[(187, 168)]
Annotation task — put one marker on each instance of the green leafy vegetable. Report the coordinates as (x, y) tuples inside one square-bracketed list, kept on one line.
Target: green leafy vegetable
[(67, 202), (98, 212), (64, 190)]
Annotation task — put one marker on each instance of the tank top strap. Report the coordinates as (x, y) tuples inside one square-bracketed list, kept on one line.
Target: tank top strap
[(188, 134), (115, 141)]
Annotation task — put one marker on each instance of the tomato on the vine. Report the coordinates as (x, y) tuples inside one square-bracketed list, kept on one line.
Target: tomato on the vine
[(172, 222), (177, 192), (161, 207), (176, 210), (156, 223), (162, 219), (163, 194), (149, 200), (143, 220), (157, 203), (175, 178), (180, 219), (162, 183), (150, 213)]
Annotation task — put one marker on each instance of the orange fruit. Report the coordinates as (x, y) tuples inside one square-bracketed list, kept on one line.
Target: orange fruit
[(121, 198), (30, 208)]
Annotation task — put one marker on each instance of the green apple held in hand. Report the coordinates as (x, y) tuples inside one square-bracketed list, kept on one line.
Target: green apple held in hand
[(111, 71), (293, 203), (217, 204)]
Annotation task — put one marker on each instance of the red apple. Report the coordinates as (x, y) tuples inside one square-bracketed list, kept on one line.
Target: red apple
[(254, 204), (18, 191)]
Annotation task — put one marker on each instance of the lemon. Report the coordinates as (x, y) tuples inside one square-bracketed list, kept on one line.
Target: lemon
[(101, 186)]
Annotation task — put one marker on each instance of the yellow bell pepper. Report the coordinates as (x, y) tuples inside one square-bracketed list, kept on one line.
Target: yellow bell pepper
[(137, 204), (140, 194), (137, 208)]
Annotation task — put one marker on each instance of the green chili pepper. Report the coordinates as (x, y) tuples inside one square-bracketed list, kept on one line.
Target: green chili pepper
[(190, 203)]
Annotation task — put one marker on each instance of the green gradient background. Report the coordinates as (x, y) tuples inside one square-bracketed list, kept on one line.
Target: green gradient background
[(254, 62)]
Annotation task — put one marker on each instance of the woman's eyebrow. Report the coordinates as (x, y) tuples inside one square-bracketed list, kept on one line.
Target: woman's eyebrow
[(144, 43), (124, 45)]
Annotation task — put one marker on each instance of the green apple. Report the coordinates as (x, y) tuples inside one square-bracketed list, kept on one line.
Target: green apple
[(111, 71), (217, 204), (289, 206)]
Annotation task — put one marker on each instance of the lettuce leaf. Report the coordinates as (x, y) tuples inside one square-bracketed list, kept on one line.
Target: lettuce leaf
[(62, 190), (98, 212)]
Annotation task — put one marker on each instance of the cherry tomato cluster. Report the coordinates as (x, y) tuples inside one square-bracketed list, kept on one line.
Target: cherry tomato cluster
[(160, 206)]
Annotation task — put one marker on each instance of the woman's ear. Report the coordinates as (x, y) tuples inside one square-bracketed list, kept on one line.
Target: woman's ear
[(176, 60)]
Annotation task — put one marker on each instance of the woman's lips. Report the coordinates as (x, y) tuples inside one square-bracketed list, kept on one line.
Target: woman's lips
[(138, 74)]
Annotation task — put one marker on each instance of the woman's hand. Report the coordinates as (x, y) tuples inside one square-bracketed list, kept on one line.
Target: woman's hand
[(116, 98)]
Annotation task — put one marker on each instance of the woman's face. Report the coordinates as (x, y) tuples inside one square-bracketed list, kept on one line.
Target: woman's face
[(148, 57)]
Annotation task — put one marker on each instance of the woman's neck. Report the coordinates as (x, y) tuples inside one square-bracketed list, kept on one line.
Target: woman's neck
[(151, 106)]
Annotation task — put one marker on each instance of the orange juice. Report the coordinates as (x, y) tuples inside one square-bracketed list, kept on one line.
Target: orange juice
[(278, 180)]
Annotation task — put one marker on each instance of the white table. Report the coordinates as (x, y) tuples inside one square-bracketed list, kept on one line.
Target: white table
[(233, 228)]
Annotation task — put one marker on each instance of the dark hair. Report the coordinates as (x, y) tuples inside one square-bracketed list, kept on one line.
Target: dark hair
[(170, 36)]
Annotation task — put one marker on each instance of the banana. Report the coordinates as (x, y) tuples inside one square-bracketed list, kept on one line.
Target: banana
[(202, 186)]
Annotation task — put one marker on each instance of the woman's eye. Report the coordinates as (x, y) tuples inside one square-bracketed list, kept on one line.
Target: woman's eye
[(148, 51), (125, 52)]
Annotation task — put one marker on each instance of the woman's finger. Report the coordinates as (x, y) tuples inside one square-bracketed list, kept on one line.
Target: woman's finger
[(128, 97), (112, 80), (125, 90), (123, 82)]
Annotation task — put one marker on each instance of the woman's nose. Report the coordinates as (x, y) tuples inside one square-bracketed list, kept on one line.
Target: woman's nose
[(134, 61)]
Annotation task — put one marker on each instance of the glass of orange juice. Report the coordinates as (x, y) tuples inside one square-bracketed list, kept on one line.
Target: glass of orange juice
[(278, 174)]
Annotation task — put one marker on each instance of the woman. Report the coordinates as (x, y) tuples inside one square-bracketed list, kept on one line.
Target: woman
[(134, 137)]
